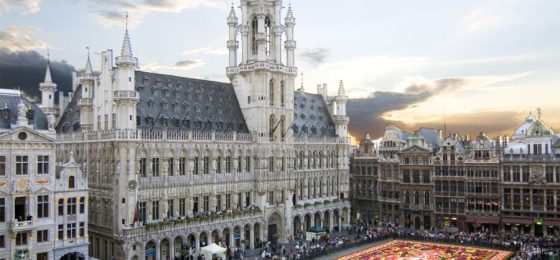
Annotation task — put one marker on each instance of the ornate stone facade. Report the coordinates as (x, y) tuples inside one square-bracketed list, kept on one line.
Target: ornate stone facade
[(505, 184), (31, 184), (177, 163)]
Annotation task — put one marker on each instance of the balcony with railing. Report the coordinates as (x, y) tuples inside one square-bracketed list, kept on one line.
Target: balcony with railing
[(230, 218), (140, 134), (318, 140), (262, 65), (125, 95), (85, 101), (18, 226), (531, 158)]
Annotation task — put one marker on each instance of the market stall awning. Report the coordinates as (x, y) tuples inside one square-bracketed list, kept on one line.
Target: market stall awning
[(483, 219), (518, 220), (316, 229), (552, 222)]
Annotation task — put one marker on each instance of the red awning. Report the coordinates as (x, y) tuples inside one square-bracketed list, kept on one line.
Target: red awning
[(483, 219), (518, 220), (552, 222)]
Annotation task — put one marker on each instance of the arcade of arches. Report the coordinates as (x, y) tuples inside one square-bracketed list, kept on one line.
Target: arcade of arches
[(182, 245), (250, 234), (331, 220)]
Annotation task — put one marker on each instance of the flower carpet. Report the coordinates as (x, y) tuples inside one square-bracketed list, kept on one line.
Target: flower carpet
[(412, 250)]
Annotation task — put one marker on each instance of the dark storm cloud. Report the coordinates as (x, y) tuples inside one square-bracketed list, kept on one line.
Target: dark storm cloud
[(25, 70), (366, 114), (436, 86), (314, 56)]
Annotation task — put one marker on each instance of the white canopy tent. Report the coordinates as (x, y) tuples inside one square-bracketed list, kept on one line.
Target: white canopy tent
[(213, 250)]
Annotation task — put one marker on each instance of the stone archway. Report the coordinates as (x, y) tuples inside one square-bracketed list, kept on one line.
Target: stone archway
[(226, 233), (164, 247), (257, 232), (150, 250), (216, 237), (180, 247), (191, 242), (237, 236), (297, 226), (336, 220), (317, 219), (246, 236), (275, 227), (327, 221), (344, 216), (307, 222), (203, 239), (73, 256)]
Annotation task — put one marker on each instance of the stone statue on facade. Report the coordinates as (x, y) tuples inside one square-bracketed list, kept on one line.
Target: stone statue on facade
[(51, 119)]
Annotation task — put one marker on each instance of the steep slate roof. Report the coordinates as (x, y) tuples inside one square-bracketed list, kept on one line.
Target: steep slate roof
[(70, 119), (178, 103), (431, 136), (9, 101), (311, 116)]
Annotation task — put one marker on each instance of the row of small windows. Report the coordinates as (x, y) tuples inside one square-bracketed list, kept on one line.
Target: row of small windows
[(200, 165), (416, 196), (196, 124), (22, 164), (72, 205), (417, 176), (522, 174), (227, 164), (317, 188)]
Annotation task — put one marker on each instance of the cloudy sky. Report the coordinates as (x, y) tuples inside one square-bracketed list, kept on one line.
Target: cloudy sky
[(481, 65)]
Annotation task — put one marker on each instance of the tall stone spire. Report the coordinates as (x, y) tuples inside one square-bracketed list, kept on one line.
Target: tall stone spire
[(48, 77), (88, 70), (126, 50), (341, 91), (290, 20), (126, 58), (48, 88), (232, 18)]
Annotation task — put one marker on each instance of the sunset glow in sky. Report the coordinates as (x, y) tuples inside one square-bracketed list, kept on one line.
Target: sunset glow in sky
[(481, 65)]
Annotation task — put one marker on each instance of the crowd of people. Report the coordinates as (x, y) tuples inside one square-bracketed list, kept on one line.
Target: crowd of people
[(524, 246)]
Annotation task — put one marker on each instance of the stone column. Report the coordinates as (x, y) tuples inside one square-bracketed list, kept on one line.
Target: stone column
[(331, 220), (171, 252), (231, 242), (158, 251), (197, 238), (251, 237)]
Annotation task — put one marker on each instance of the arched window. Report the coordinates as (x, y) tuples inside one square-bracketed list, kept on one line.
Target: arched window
[(267, 30), (71, 182), (271, 92), (272, 126), (282, 92), (301, 158), (254, 28)]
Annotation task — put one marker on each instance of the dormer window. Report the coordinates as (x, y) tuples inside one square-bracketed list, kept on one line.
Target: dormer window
[(163, 121), (30, 114)]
